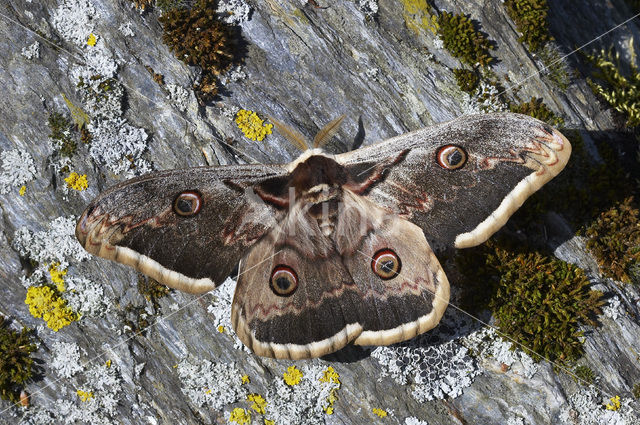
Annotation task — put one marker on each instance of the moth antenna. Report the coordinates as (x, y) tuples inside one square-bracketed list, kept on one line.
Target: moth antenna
[(297, 139), (327, 132)]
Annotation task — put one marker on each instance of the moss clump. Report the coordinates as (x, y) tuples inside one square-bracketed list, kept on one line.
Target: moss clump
[(584, 375), (16, 364), (536, 108), (467, 80), (621, 92), (462, 40), (636, 391), (614, 239), (530, 17), (556, 69), (197, 37), (536, 300), (151, 289), (60, 135)]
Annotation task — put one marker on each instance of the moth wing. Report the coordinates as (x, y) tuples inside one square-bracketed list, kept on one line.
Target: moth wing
[(338, 298), (136, 223), (509, 157)]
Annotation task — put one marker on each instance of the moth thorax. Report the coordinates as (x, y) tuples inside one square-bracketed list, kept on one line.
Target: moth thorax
[(325, 212)]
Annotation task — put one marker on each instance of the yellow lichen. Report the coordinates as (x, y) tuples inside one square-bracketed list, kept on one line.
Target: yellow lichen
[(221, 329), (245, 379), (258, 403), (23, 190), (240, 416), (46, 303), (417, 16), (77, 182), (91, 41), (269, 422), (614, 404), (84, 395), (292, 376), (380, 412), (57, 276), (108, 363), (330, 375), (252, 125)]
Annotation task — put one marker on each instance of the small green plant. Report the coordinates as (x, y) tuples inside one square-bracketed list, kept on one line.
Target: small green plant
[(614, 239), (556, 69), (536, 300), (530, 17), (60, 128), (636, 391), (536, 108), (584, 375), (462, 40), (621, 92), (467, 80), (197, 37), (16, 364)]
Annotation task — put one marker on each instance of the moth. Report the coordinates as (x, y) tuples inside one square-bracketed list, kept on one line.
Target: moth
[(332, 249)]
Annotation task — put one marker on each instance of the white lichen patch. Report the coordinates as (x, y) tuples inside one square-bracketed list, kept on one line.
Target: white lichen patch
[(126, 29), (86, 297), (414, 421), (587, 407), (234, 11), (32, 51), (92, 402), (57, 244), (17, 169), (211, 384), (65, 359), (368, 7), (74, 20), (115, 143), (485, 100), (613, 309), (179, 96), (303, 403), (486, 343), (220, 308)]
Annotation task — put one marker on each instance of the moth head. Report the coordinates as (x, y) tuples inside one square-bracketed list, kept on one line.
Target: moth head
[(386, 264), (451, 157), (283, 281), (188, 203)]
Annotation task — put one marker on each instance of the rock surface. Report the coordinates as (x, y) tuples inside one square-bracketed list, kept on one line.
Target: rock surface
[(304, 65)]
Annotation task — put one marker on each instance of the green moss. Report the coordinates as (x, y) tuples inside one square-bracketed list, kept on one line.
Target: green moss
[(620, 91), (530, 17), (168, 5), (462, 40), (151, 289), (636, 391), (536, 108), (16, 363), (60, 128), (556, 69), (536, 300), (614, 239), (467, 80), (584, 375), (197, 37)]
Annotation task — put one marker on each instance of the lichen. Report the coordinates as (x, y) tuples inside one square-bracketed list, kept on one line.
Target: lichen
[(463, 40), (258, 403), (538, 301), (614, 239), (17, 169), (47, 303), (214, 384), (417, 16), (151, 289), (536, 108), (621, 92), (77, 182), (636, 391), (16, 363), (379, 412), (530, 17), (252, 125), (292, 376)]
